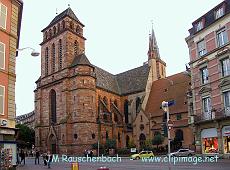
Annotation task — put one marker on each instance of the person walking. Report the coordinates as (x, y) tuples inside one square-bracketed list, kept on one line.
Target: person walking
[(37, 155), (23, 156), (49, 159), (44, 156)]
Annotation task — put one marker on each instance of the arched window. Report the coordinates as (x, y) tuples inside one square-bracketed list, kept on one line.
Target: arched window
[(107, 135), (60, 54), (71, 25), (105, 100), (63, 138), (127, 141), (115, 117), (46, 35), (54, 30), (53, 114), (119, 137), (63, 24), (58, 27), (126, 111), (78, 29), (179, 135), (76, 46), (53, 57), (142, 139), (138, 104), (50, 33), (46, 61)]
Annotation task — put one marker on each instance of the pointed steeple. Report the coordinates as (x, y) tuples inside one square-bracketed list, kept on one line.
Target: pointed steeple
[(153, 48)]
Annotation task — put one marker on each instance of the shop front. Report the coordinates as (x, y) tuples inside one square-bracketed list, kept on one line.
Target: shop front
[(7, 148), (226, 139), (209, 141)]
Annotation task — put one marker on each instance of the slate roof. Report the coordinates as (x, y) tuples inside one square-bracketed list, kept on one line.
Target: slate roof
[(175, 88), (68, 12), (81, 60), (209, 17), (131, 81)]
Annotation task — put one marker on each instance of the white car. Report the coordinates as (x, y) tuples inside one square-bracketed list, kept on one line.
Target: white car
[(183, 152)]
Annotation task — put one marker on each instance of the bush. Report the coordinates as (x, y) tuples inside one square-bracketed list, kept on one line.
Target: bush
[(110, 144), (123, 151)]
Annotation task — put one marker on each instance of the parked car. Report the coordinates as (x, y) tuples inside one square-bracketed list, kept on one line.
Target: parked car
[(142, 154), (183, 152)]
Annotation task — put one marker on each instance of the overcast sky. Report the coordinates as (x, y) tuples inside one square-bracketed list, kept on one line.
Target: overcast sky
[(117, 35)]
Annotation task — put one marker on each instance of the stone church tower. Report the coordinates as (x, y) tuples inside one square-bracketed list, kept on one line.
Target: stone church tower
[(78, 104), (65, 96)]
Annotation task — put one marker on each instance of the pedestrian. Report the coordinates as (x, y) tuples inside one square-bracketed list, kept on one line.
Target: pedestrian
[(23, 156), (49, 158), (44, 155), (18, 155), (37, 155)]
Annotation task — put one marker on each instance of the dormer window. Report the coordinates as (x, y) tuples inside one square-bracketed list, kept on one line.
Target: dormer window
[(219, 12), (199, 25)]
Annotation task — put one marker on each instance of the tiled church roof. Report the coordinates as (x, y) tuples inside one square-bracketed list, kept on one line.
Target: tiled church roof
[(131, 81), (68, 12), (81, 60)]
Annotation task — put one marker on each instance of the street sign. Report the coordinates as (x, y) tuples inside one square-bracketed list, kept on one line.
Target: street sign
[(171, 103)]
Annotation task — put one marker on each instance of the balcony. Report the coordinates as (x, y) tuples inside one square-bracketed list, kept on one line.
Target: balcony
[(219, 114)]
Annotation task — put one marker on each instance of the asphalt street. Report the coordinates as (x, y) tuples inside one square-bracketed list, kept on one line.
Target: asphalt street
[(126, 164)]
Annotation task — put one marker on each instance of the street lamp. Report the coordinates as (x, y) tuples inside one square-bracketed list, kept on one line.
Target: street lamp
[(34, 53)]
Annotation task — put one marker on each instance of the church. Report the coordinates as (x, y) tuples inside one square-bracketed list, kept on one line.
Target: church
[(77, 103)]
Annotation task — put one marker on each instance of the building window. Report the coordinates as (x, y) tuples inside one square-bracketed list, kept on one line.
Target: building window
[(2, 55), (3, 16), (119, 137), (63, 24), (75, 136), (206, 102), (222, 38), (178, 116), (179, 135), (53, 108), (58, 27), (204, 75), (199, 25), (76, 48), (46, 61), (93, 136), (225, 67), (60, 54), (54, 30), (226, 99), (71, 25), (78, 29), (138, 104), (107, 135), (201, 48), (2, 98), (126, 111), (219, 12), (53, 58)]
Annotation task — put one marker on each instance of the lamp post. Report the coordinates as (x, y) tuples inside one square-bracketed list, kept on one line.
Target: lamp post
[(34, 53)]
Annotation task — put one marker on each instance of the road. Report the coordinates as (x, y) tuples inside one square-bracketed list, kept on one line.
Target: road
[(126, 164)]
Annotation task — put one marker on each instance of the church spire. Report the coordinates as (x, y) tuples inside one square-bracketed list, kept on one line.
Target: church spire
[(153, 51)]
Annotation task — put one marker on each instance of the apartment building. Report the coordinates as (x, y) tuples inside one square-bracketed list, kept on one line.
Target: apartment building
[(209, 50), (10, 22)]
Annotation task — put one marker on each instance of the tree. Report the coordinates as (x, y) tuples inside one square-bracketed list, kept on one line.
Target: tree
[(110, 144), (131, 144), (147, 145), (157, 140), (25, 136)]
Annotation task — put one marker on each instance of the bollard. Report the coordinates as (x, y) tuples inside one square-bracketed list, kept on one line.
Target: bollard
[(75, 166), (103, 168)]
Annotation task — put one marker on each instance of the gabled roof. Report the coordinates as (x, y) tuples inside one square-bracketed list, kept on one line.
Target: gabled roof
[(81, 60), (131, 81), (134, 80), (175, 88), (67, 13)]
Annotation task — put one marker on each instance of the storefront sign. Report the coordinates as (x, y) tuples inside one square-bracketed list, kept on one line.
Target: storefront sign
[(3, 122), (133, 150)]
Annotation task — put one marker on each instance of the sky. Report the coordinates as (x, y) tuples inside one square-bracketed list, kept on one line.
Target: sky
[(117, 35)]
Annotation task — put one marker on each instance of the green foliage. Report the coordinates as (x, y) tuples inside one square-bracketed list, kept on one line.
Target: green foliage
[(131, 144), (110, 144), (123, 151), (25, 136), (158, 139), (147, 145), (95, 146)]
